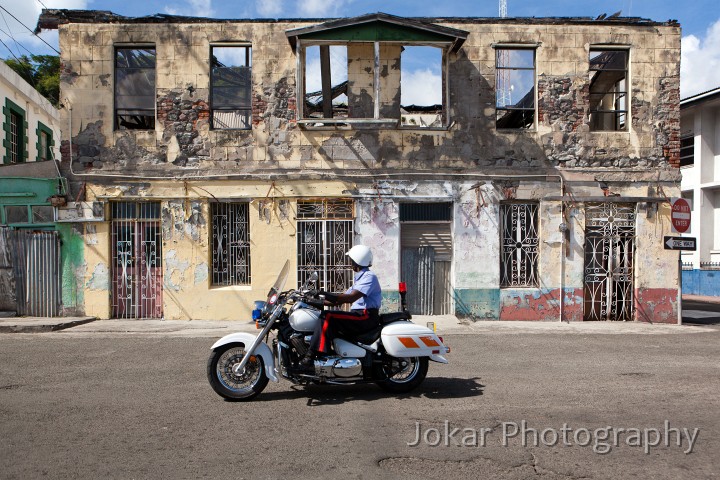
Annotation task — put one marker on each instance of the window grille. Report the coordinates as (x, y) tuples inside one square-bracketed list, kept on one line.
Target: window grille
[(231, 244), (519, 255)]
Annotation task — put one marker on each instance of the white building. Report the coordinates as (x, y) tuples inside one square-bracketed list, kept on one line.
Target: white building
[(700, 166), (31, 125)]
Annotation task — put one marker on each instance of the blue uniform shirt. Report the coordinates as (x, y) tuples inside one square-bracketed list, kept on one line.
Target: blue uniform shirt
[(366, 282)]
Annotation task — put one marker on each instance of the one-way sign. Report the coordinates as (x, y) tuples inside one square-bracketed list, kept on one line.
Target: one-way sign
[(680, 243)]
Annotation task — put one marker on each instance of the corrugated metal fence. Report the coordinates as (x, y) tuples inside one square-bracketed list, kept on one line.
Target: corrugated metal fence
[(7, 278), (35, 258)]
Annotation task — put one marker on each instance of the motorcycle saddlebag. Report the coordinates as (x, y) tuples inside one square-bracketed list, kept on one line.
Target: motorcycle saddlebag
[(406, 339)]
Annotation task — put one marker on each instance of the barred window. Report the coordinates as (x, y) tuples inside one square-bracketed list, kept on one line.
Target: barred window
[(519, 245), (230, 244)]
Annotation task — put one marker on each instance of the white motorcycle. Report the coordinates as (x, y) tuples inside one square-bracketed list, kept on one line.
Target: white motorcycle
[(394, 355)]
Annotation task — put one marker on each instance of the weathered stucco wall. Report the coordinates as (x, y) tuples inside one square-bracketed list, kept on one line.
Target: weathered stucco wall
[(183, 144), (184, 164), (186, 249)]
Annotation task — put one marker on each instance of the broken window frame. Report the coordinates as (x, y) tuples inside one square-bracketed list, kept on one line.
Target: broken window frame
[(508, 110), (519, 256), (245, 107), (622, 115), (376, 119), (687, 151), (230, 240), (144, 118)]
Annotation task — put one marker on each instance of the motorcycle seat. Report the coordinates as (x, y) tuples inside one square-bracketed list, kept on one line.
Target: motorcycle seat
[(370, 336), (386, 318)]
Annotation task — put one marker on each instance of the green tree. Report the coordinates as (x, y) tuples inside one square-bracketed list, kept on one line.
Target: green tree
[(40, 71)]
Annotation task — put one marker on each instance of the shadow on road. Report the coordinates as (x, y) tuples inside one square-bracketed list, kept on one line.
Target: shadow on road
[(700, 313), (434, 388)]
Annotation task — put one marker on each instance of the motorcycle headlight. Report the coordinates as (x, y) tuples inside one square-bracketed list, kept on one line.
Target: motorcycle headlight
[(257, 313)]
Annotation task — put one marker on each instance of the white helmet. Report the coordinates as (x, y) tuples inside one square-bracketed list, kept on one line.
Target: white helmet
[(361, 255)]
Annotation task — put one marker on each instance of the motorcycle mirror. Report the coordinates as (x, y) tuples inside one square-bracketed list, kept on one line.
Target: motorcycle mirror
[(313, 278)]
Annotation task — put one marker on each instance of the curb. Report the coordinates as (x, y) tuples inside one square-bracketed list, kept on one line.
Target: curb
[(44, 327)]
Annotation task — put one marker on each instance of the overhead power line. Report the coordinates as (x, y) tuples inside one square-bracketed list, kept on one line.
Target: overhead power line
[(28, 29)]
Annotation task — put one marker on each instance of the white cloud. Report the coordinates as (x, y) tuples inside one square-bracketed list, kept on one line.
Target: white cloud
[(322, 8), (421, 87), (192, 8), (269, 8), (27, 12), (700, 62)]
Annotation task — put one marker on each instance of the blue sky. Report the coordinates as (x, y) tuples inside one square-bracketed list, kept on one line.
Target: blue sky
[(700, 19)]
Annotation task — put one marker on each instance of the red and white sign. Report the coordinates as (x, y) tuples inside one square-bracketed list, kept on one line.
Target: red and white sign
[(680, 215)]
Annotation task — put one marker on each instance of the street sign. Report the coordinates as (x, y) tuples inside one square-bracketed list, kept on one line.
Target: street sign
[(680, 243), (680, 215)]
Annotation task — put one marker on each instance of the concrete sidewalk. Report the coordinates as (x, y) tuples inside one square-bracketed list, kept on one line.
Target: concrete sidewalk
[(444, 325)]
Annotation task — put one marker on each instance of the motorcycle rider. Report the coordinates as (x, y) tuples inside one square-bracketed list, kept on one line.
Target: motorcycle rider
[(365, 295)]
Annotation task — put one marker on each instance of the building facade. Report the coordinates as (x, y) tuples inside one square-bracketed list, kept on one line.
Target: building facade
[(699, 153), (36, 252), (212, 151)]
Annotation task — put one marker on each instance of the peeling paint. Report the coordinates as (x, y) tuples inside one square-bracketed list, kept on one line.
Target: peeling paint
[(201, 273), (656, 305), (175, 270), (100, 279)]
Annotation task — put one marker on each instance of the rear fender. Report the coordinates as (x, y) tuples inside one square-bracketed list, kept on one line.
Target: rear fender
[(262, 350)]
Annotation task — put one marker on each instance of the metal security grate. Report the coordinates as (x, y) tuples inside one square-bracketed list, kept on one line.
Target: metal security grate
[(330, 209), (36, 265), (519, 250), (426, 212), (136, 260), (609, 253), (230, 243), (322, 244)]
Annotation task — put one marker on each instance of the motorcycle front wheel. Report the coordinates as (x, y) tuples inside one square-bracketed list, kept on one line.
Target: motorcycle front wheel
[(230, 382), (401, 375)]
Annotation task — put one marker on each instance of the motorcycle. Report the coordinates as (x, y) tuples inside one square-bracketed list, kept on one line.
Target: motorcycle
[(395, 355)]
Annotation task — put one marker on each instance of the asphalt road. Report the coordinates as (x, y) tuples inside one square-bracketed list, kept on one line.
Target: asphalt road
[(139, 406)]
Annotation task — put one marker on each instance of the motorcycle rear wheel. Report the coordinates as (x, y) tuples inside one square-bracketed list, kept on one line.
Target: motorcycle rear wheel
[(231, 384), (408, 378)]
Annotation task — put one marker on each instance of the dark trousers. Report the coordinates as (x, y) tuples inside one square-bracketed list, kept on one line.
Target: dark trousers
[(336, 322)]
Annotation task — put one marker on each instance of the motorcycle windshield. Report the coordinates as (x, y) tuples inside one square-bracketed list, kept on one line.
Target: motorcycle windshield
[(279, 283)]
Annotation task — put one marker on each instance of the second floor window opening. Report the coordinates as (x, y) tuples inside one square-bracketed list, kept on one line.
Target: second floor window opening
[(135, 88), (326, 81), (377, 69), (515, 88), (608, 90), (15, 150), (231, 87), (687, 151)]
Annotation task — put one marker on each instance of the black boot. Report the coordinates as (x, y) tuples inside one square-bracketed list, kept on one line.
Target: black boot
[(307, 362)]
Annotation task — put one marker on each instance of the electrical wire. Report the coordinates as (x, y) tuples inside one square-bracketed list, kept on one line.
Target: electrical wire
[(16, 42), (10, 30), (28, 29)]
